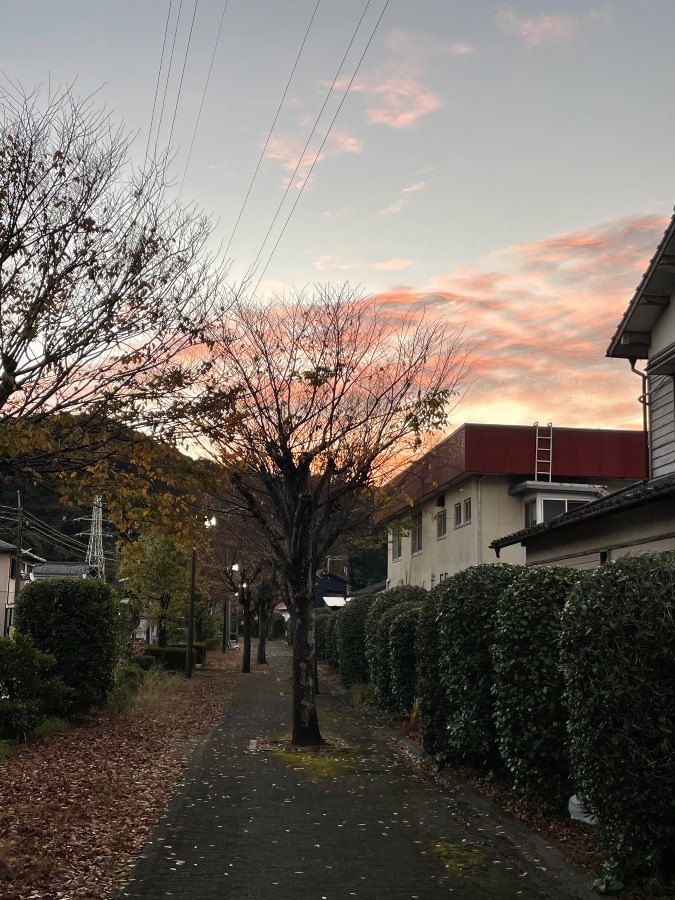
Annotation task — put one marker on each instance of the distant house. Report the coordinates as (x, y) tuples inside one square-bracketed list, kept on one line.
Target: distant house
[(8, 564), (641, 518), (330, 591), (488, 480), (63, 570)]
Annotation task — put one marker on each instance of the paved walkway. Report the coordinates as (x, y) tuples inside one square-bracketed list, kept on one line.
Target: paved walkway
[(365, 823)]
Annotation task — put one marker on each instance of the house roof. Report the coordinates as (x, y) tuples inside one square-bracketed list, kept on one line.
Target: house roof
[(627, 498), (63, 568), (632, 338), (6, 548), (588, 454)]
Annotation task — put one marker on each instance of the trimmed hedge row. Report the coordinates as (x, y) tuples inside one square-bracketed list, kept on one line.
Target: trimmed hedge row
[(530, 713), (564, 678), (618, 656)]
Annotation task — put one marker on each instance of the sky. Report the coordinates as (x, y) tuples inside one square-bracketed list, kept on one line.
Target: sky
[(508, 165)]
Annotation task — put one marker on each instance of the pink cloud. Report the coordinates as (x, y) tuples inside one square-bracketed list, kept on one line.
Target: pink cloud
[(541, 29), (461, 48), (398, 101), (404, 199), (540, 316), (395, 263), (286, 149)]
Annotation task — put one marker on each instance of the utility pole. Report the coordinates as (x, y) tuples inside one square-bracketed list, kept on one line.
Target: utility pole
[(19, 540)]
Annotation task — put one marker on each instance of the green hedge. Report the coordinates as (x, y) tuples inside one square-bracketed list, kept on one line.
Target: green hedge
[(322, 618), (382, 602), (382, 686), (351, 638), (402, 658), (432, 715), (79, 623), (618, 655), (530, 714), (29, 692), (332, 649), (172, 658), (467, 624), (199, 648)]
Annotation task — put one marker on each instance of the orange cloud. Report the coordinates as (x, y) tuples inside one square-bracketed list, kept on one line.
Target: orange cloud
[(397, 101), (404, 199), (540, 317)]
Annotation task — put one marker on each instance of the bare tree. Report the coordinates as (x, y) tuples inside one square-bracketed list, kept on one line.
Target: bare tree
[(324, 395), (105, 286)]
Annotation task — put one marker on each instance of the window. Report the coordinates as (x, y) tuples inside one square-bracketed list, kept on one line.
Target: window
[(396, 543), (530, 513), (416, 533), (458, 514), (552, 508), (467, 510), (441, 524)]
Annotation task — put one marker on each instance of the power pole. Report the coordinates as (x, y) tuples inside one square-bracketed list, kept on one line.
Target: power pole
[(19, 540)]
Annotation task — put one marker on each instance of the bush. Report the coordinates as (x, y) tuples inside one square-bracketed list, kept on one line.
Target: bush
[(530, 714), (467, 624), (402, 659), (332, 649), (171, 658), (382, 685), (277, 628), (78, 622), (432, 715), (618, 656), (29, 691), (199, 649), (381, 603), (351, 638), (322, 618)]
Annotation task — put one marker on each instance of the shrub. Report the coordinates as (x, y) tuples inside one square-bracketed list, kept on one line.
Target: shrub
[(378, 607), (430, 700), (351, 637), (199, 648), (382, 654), (618, 656), (332, 650), (530, 714), (171, 658), (402, 659), (29, 691), (322, 619), (78, 622), (467, 623), (277, 628)]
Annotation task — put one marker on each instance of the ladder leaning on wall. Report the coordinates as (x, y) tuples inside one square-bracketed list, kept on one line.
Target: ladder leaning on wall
[(543, 454)]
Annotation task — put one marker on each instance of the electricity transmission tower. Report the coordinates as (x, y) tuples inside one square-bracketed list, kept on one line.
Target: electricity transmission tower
[(95, 558)]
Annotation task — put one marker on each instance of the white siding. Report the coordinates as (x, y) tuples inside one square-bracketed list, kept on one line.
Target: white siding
[(662, 426)]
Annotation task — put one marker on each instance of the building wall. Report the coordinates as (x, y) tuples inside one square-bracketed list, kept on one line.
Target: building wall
[(650, 528), (493, 512), (662, 425)]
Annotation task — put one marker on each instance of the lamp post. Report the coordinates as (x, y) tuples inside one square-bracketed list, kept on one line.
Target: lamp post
[(208, 523)]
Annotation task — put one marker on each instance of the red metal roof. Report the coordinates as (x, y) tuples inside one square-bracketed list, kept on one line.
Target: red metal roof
[(591, 454)]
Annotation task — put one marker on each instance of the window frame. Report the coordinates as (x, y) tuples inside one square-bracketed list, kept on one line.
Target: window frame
[(441, 524), (416, 533)]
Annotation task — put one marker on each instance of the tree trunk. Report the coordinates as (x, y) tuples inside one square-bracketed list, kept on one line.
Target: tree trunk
[(262, 632), (305, 720), (225, 637), (246, 658)]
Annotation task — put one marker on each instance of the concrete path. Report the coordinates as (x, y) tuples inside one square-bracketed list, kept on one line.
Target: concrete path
[(361, 822)]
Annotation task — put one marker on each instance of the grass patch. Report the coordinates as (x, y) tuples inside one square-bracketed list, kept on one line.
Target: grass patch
[(7, 749), (158, 690), (457, 858), (327, 761), (50, 726)]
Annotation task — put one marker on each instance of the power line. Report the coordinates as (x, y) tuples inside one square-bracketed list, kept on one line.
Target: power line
[(274, 122), (159, 76), (358, 65), (168, 74), (201, 105), (182, 74)]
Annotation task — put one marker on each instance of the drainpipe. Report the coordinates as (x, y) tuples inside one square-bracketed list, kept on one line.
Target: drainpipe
[(644, 400), (479, 522)]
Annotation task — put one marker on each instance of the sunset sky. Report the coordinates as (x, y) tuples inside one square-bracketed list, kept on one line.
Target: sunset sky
[(508, 164)]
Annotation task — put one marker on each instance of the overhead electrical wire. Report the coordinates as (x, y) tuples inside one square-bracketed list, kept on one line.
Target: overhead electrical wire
[(351, 81), (159, 78), (182, 74), (168, 74), (271, 130), (201, 104)]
